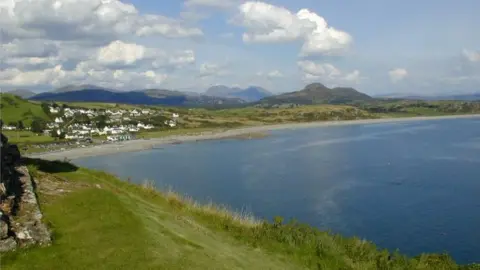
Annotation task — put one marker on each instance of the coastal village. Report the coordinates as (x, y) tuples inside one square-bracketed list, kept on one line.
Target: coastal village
[(116, 124)]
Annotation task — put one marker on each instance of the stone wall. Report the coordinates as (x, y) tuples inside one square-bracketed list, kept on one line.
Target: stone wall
[(20, 217)]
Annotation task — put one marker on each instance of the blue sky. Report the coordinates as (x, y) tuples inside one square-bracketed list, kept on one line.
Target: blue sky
[(378, 47)]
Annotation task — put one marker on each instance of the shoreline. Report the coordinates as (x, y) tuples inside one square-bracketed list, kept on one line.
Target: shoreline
[(146, 144)]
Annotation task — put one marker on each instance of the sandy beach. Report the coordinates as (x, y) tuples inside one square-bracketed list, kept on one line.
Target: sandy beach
[(144, 144)]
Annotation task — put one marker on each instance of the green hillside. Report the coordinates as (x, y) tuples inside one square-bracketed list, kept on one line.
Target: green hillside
[(14, 109), (317, 93), (101, 222)]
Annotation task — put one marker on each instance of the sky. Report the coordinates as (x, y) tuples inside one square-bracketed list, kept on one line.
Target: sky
[(377, 47)]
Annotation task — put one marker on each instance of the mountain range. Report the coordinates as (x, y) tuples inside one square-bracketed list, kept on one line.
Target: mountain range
[(145, 97), (465, 97), (315, 93)]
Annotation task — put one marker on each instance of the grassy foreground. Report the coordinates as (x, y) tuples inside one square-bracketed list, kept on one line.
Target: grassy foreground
[(101, 222)]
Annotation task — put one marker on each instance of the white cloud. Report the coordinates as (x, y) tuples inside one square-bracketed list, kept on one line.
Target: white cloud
[(271, 74), (57, 76), (353, 76), (472, 56), (154, 24), (269, 23), (121, 55), (327, 73), (318, 69), (118, 52), (274, 74), (96, 20), (209, 69), (397, 74)]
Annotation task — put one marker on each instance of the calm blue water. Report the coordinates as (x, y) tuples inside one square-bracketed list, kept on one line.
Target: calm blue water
[(412, 186)]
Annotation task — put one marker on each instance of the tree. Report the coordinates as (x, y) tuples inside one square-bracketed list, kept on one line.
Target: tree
[(38, 125), (20, 125), (101, 121), (45, 108), (1, 123)]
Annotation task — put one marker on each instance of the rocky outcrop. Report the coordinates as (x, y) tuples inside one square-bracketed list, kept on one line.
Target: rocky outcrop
[(20, 217)]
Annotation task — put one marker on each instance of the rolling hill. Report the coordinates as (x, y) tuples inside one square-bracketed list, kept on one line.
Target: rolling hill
[(14, 109), (250, 94), (317, 93)]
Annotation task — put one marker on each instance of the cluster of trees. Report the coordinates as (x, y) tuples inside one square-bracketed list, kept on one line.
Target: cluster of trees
[(38, 125), (17, 124)]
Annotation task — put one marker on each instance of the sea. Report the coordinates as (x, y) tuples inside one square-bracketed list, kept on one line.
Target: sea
[(407, 186)]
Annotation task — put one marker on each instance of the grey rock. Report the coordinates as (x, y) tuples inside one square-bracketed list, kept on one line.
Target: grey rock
[(3, 229), (8, 244)]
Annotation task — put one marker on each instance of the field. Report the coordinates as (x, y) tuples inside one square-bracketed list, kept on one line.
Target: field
[(26, 137), (14, 109), (101, 222)]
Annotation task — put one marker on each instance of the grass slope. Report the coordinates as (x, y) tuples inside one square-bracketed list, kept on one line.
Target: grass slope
[(100, 222), (14, 109)]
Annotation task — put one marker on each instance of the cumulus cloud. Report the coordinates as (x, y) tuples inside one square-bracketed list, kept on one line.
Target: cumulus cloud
[(397, 74), (266, 23), (57, 76), (94, 20), (271, 74), (326, 72), (47, 42), (472, 56), (119, 52), (209, 69)]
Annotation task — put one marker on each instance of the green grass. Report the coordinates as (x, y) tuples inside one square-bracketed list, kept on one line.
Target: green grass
[(26, 137), (14, 109), (101, 222)]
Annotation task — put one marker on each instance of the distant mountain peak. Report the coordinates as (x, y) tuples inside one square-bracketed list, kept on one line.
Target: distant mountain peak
[(317, 93), (249, 94), (314, 86)]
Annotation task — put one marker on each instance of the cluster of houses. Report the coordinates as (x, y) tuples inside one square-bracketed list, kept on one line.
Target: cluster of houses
[(80, 131), (115, 130), (70, 112), (9, 127)]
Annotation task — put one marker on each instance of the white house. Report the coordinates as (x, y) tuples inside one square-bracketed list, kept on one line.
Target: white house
[(53, 110), (134, 113), (58, 120), (145, 111), (71, 136), (9, 127), (175, 115), (68, 112), (171, 123)]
